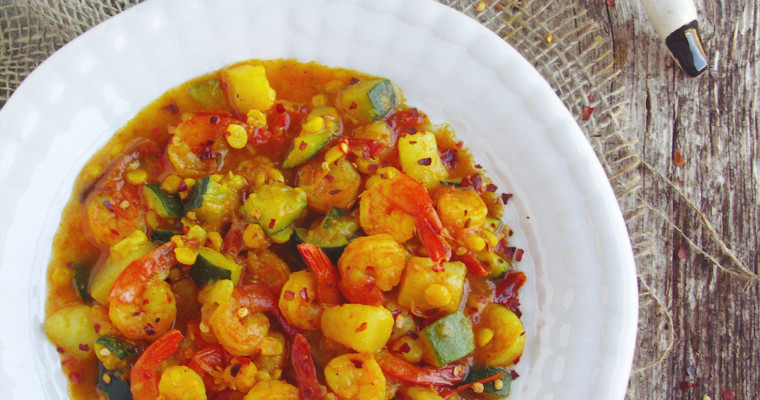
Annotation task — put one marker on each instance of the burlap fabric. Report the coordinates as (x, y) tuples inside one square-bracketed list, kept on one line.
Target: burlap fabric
[(557, 36)]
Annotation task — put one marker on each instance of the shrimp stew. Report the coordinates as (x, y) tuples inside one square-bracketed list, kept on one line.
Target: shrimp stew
[(280, 230)]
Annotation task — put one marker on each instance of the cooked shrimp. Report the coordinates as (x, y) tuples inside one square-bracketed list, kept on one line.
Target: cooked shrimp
[(398, 205), (355, 377), (195, 149), (299, 302), (463, 212), (111, 202), (144, 373), (239, 324), (337, 186), (370, 265), (259, 171), (142, 305), (273, 390)]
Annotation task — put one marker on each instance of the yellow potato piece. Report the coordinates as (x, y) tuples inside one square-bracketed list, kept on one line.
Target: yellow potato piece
[(420, 275), (248, 88), (361, 327)]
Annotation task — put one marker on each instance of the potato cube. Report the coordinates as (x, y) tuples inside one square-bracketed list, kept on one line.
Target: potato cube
[(71, 329), (248, 88), (419, 158), (363, 328), (420, 275)]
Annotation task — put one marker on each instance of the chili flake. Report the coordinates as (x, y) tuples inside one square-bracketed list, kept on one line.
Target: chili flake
[(586, 114), (108, 205), (425, 161), (357, 363), (678, 159), (214, 119), (84, 347), (172, 108), (272, 222), (505, 197), (280, 108), (288, 295), (361, 327), (449, 158), (235, 370)]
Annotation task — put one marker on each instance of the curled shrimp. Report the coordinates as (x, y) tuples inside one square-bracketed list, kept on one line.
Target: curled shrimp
[(240, 324), (111, 202), (370, 265), (141, 303), (144, 373), (195, 149), (398, 205)]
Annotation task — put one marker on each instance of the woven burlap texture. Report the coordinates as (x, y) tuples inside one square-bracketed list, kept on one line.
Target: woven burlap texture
[(556, 36)]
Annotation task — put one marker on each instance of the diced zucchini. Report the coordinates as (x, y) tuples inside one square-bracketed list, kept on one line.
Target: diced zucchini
[(210, 266), (314, 135), (165, 204), (495, 263), (161, 236), (368, 101), (119, 347), (452, 182), (420, 274), (274, 206), (81, 277), (120, 256), (248, 88), (112, 384), (195, 199), (478, 372), (332, 233), (418, 154), (210, 94), (448, 339)]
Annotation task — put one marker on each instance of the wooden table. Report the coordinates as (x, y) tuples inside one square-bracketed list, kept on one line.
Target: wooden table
[(713, 121)]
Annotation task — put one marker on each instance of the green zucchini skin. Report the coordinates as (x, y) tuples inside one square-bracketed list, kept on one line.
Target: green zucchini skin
[(478, 372), (449, 339), (277, 206), (368, 101), (161, 236), (165, 204), (119, 347), (211, 266), (195, 199), (210, 94), (332, 234), (117, 387), (81, 279), (307, 144)]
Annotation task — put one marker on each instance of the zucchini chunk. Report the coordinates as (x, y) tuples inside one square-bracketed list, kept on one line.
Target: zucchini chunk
[(478, 372), (165, 204), (195, 199), (81, 277), (319, 126), (118, 347), (113, 384), (161, 236), (368, 101), (210, 94), (448, 339), (332, 233), (210, 266), (274, 206)]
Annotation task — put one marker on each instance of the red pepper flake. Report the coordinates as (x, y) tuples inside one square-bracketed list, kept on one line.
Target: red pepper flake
[(361, 327), (681, 252), (611, 3), (412, 142), (686, 385), (505, 197), (97, 328), (182, 186), (353, 105), (272, 222), (491, 188), (373, 167), (302, 145), (108, 205), (172, 108), (304, 294), (586, 114), (478, 166), (206, 154), (727, 395), (405, 348), (477, 182), (425, 161), (412, 334), (334, 192), (411, 130), (280, 108), (678, 159), (235, 370), (513, 374), (357, 363), (289, 295), (60, 350), (76, 377), (155, 132), (460, 144), (353, 81), (519, 254), (150, 330), (449, 158), (214, 119)]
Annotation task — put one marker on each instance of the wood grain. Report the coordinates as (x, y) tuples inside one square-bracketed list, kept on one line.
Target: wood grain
[(713, 121)]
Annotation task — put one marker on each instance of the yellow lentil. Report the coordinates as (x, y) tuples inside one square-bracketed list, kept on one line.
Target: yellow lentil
[(477, 387), (483, 337), (137, 177), (475, 243), (256, 118), (237, 137), (314, 124), (185, 255), (437, 295)]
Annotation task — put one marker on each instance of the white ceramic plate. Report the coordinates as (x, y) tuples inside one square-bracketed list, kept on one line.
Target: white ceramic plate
[(580, 303)]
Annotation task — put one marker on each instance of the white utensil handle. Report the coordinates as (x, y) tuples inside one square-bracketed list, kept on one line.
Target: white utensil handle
[(667, 16)]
